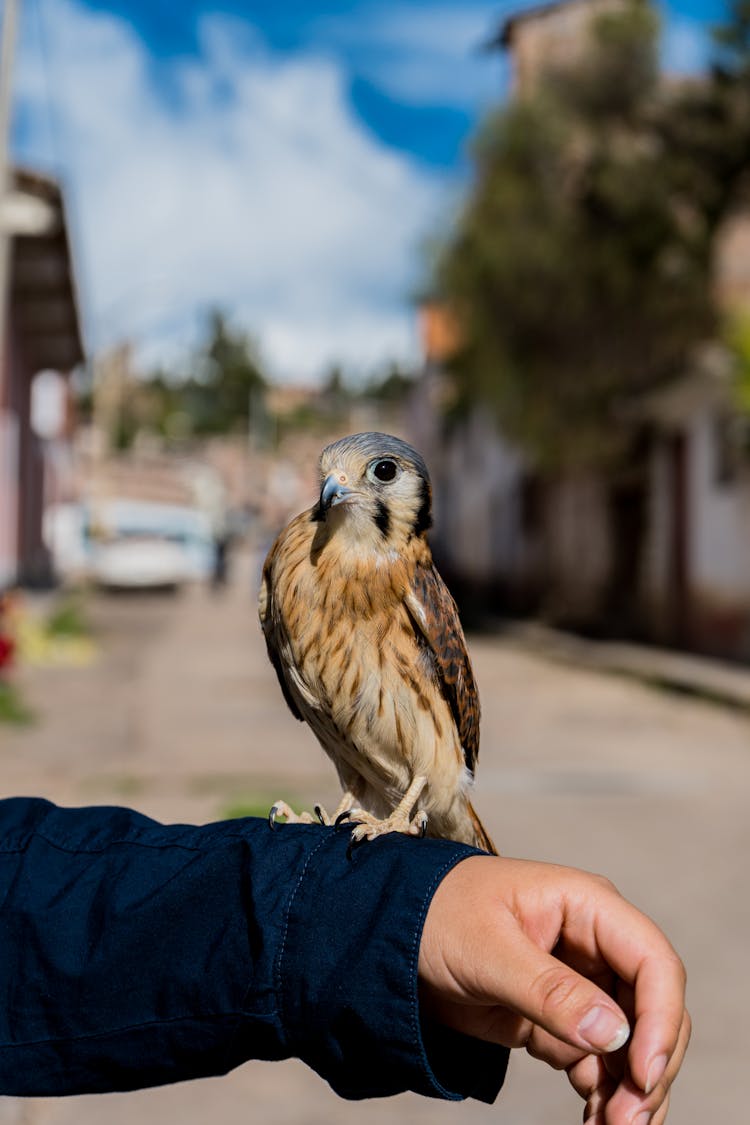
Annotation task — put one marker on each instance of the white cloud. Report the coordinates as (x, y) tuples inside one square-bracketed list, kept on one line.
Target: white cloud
[(241, 179), (429, 55), (436, 53)]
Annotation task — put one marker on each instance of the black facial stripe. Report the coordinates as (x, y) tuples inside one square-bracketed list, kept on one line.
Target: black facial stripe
[(423, 521), (383, 519)]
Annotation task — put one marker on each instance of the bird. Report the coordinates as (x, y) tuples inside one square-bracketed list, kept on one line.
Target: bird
[(369, 650)]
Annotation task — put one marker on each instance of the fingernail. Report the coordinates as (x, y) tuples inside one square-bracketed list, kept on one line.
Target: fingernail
[(603, 1029), (656, 1068)]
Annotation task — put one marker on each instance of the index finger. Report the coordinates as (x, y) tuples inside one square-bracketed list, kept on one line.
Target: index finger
[(659, 1004), (643, 958)]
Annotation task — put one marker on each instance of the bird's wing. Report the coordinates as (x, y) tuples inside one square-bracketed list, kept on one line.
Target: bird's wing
[(435, 616), (272, 627)]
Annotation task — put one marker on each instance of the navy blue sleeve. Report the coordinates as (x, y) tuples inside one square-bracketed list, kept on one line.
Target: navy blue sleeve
[(135, 954)]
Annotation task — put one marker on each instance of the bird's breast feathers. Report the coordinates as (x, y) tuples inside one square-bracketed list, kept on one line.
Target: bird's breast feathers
[(352, 658)]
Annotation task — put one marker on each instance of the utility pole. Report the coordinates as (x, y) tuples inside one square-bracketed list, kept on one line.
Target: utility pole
[(7, 50), (8, 497)]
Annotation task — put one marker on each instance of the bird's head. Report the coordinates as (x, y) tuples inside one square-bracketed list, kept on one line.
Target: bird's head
[(376, 486)]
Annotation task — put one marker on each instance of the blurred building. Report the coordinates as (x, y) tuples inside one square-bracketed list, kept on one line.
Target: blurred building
[(43, 345), (695, 578), (662, 550), (549, 35)]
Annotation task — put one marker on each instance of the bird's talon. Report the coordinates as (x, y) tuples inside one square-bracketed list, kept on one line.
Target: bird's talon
[(321, 815), (354, 843), (281, 808), (358, 837), (345, 815)]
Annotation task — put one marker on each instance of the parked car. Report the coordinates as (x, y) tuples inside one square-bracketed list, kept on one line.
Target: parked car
[(139, 562), (131, 544)]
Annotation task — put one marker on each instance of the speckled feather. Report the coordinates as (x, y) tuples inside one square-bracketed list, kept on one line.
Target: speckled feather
[(367, 643), (442, 631)]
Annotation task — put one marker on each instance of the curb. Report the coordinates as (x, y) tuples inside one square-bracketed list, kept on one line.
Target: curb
[(715, 681)]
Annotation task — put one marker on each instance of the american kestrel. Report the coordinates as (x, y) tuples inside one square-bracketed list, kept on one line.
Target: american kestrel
[(368, 647)]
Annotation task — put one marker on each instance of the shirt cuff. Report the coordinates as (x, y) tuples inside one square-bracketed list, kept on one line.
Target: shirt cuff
[(347, 973)]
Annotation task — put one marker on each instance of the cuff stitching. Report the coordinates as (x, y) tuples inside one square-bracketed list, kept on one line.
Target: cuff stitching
[(164, 844), (278, 979)]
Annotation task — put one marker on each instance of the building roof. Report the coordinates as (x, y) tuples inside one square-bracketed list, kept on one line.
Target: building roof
[(506, 31), (44, 304), (507, 28)]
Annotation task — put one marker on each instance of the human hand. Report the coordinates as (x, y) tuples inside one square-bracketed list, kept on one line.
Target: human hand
[(555, 960)]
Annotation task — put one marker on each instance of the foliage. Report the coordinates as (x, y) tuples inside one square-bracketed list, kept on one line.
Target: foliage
[(737, 340), (333, 406), (227, 392), (12, 707), (255, 804), (68, 618), (229, 383), (390, 389), (223, 392), (341, 400), (581, 263), (732, 41)]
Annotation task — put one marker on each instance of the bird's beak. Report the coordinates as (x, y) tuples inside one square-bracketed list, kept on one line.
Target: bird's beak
[(333, 492)]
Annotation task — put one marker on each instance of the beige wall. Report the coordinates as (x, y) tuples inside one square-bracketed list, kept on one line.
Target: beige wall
[(732, 262), (718, 525), (476, 475), (553, 38), (577, 545)]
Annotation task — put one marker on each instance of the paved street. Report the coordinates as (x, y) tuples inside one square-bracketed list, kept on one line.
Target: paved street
[(181, 717)]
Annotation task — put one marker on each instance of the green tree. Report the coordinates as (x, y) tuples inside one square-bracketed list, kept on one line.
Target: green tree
[(229, 382), (581, 264), (391, 388)]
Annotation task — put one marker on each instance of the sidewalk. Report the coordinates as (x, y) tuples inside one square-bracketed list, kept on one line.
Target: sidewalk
[(180, 714), (181, 717), (715, 681)]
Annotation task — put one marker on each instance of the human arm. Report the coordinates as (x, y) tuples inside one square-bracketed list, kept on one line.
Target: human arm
[(134, 954), (522, 953)]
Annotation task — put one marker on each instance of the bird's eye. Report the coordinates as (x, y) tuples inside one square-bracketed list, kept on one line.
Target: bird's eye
[(385, 471)]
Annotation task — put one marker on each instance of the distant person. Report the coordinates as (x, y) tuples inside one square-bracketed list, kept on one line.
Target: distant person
[(229, 529), (135, 954), (220, 570)]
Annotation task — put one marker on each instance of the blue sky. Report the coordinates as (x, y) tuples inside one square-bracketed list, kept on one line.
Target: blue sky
[(286, 161)]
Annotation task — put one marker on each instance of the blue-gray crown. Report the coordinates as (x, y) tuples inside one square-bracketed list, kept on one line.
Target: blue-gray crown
[(373, 445)]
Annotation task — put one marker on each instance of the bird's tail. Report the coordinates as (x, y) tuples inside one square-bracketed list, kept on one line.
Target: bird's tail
[(481, 839)]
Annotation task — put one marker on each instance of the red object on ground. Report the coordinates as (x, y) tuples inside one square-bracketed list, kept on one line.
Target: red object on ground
[(7, 649)]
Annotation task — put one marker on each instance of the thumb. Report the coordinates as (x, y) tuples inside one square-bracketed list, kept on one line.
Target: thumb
[(560, 1000)]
